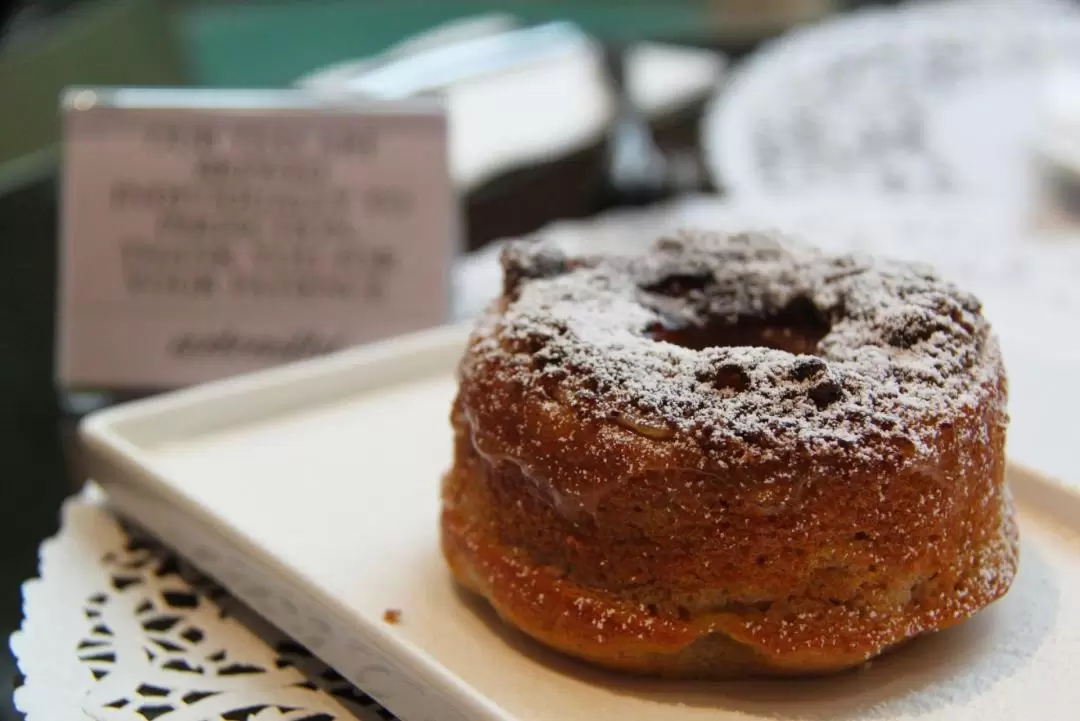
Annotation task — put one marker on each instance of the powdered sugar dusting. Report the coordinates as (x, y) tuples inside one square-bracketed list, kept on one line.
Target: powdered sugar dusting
[(900, 346)]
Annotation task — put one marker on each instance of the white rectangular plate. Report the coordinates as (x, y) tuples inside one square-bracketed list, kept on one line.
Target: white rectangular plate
[(311, 492)]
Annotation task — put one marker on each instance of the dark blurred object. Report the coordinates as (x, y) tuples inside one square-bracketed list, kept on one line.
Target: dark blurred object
[(47, 46), (34, 479), (7, 14), (113, 42), (1061, 189), (637, 162), (645, 162), (523, 200), (637, 170), (118, 41), (1056, 153)]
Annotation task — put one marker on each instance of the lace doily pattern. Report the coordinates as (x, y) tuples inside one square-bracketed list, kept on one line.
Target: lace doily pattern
[(121, 628)]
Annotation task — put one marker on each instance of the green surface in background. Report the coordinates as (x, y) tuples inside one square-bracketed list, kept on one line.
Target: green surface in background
[(271, 44), (122, 42)]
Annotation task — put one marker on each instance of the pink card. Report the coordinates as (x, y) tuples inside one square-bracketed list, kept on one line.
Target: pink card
[(208, 233)]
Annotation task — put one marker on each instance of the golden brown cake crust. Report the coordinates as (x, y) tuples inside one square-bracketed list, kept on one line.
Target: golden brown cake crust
[(731, 455)]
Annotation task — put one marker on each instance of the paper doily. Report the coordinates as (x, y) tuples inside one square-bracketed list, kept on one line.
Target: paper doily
[(925, 98), (119, 627)]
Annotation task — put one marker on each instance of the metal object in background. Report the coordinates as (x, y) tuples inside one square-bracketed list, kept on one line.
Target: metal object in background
[(637, 170)]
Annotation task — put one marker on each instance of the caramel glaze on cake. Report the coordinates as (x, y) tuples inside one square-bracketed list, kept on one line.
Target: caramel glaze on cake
[(731, 455)]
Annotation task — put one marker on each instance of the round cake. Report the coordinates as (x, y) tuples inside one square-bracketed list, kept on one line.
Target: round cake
[(731, 455)]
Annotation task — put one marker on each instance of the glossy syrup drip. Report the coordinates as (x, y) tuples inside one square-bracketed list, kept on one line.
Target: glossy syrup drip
[(573, 506)]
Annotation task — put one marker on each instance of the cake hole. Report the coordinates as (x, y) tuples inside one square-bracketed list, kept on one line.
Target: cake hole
[(796, 328), (653, 610), (791, 338), (761, 560), (860, 536), (684, 613)]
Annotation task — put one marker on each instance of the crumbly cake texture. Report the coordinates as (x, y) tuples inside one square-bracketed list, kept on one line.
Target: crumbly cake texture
[(733, 454)]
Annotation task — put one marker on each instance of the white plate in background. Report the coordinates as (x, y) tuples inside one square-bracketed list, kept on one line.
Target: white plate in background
[(924, 98)]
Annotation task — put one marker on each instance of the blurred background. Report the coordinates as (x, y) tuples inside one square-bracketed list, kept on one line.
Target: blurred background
[(646, 101)]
